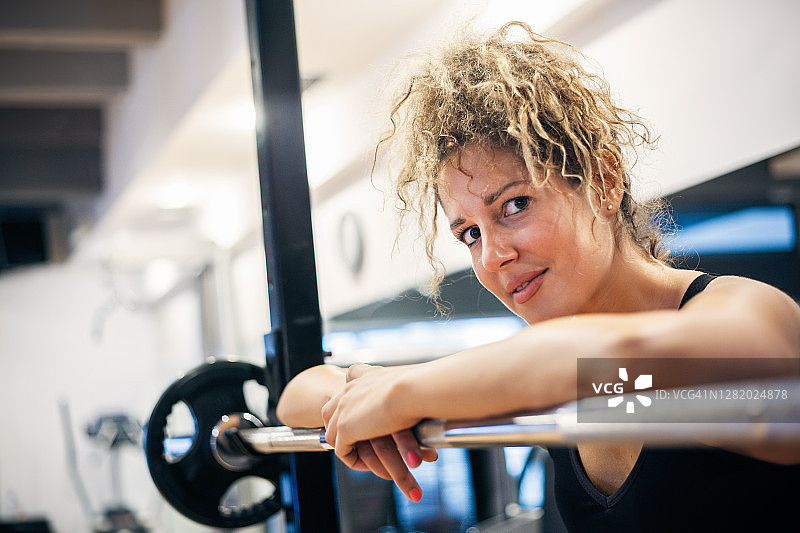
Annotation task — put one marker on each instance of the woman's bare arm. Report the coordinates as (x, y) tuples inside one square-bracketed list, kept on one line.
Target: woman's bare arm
[(732, 318), (301, 402), (737, 318)]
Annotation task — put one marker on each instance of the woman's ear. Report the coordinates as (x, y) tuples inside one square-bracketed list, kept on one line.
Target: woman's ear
[(609, 183)]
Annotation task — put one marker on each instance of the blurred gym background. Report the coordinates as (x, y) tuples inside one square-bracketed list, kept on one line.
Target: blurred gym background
[(130, 229)]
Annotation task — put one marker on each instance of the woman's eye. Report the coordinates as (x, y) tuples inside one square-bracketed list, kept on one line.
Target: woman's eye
[(470, 235), (515, 205)]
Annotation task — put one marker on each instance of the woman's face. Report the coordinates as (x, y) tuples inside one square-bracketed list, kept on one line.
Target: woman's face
[(543, 252)]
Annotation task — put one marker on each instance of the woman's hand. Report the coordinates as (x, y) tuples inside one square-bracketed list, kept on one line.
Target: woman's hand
[(365, 427)]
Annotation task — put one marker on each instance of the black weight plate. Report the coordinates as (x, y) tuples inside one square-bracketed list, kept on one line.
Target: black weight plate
[(195, 483)]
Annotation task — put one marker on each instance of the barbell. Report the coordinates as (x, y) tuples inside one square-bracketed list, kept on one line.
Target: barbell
[(230, 443)]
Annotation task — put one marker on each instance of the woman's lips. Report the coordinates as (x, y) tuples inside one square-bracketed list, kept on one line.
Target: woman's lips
[(528, 287)]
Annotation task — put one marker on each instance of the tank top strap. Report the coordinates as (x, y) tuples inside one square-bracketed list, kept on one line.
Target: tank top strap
[(696, 287)]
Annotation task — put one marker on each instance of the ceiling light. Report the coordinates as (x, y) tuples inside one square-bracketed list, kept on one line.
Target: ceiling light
[(175, 195), (241, 115)]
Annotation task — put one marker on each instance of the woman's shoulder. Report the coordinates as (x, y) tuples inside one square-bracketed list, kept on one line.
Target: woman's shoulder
[(725, 287), (741, 297)]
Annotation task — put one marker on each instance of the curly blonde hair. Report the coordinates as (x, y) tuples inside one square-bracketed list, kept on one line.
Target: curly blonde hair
[(531, 96)]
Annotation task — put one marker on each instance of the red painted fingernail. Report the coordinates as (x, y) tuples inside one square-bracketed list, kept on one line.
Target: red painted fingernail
[(412, 459), (415, 494)]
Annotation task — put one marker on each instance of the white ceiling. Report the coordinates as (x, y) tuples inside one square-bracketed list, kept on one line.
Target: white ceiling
[(335, 39)]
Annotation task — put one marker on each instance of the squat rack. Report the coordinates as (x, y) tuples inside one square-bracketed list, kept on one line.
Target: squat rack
[(295, 340)]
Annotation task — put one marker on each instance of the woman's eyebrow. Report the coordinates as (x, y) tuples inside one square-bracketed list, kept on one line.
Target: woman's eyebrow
[(456, 223), (490, 199)]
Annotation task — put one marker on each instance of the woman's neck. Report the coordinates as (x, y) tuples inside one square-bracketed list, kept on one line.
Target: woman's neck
[(638, 283)]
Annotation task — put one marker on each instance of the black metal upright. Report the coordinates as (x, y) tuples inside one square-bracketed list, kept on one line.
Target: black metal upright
[(293, 297)]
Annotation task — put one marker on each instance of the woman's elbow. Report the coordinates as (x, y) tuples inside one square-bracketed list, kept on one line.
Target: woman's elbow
[(283, 411), (292, 410), (300, 403)]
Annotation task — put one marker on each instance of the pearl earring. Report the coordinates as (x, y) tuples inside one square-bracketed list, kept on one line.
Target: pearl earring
[(609, 207)]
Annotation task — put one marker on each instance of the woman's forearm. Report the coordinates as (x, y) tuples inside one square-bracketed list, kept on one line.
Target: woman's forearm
[(535, 368), (303, 397), (538, 367)]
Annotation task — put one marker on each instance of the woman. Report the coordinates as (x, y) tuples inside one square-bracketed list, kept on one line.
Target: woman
[(528, 158)]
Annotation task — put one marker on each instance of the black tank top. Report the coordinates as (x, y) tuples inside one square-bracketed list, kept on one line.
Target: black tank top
[(685, 490)]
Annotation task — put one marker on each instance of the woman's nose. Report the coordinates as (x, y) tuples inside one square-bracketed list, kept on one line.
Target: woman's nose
[(497, 251)]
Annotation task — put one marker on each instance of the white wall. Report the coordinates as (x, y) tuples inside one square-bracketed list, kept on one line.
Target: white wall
[(717, 79), (60, 343), (387, 269), (49, 355)]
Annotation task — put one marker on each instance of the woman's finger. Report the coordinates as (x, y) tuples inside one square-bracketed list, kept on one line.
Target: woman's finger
[(387, 452), (368, 459), (408, 447), (329, 417), (357, 370), (327, 412), (429, 455)]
